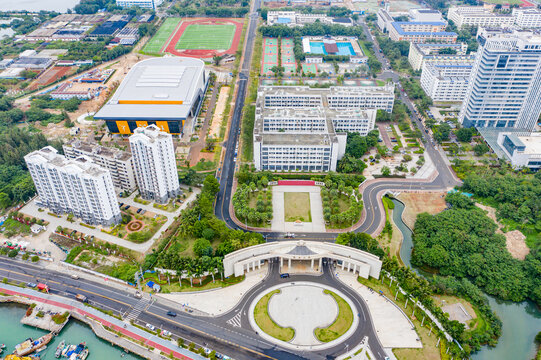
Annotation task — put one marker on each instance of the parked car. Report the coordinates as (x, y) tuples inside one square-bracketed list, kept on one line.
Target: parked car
[(143, 211), (166, 333), (150, 327), (126, 207), (75, 276), (284, 275), (121, 204), (31, 285), (171, 313)]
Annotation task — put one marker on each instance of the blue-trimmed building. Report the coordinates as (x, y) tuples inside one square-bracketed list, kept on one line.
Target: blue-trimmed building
[(421, 32)]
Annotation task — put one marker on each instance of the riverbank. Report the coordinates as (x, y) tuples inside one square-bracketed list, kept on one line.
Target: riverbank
[(108, 328)]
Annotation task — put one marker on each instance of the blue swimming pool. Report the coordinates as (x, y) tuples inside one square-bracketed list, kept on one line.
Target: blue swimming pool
[(344, 48)]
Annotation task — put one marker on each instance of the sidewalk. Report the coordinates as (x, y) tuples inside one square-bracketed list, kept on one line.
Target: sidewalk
[(97, 320)]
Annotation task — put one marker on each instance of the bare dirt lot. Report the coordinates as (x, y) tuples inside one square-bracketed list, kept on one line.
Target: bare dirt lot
[(416, 203), (514, 240), (218, 113)]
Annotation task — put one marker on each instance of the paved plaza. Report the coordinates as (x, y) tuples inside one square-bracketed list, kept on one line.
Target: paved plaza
[(316, 210), (304, 308)]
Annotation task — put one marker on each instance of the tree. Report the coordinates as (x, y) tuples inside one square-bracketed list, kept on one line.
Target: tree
[(202, 247), (480, 149), (442, 132), (13, 253), (459, 200), (385, 171), (464, 134), (216, 59)]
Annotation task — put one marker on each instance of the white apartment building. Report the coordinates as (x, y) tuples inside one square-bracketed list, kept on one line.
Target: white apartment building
[(304, 129), (527, 18), (145, 4), (436, 52), (74, 186), (446, 81), (522, 149), (384, 20), (421, 32), (118, 162), (425, 15), (505, 85), (478, 16), (154, 164)]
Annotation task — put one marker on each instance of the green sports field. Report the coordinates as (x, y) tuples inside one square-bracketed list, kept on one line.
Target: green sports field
[(207, 37), (154, 45)]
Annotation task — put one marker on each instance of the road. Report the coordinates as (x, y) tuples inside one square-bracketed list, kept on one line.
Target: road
[(216, 333)]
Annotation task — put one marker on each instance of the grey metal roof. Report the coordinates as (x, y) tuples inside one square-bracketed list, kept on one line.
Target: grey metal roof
[(301, 250), (169, 79)]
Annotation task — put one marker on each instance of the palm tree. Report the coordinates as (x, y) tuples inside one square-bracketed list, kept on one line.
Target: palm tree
[(220, 266)]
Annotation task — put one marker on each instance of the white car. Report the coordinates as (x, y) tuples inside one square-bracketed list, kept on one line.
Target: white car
[(166, 333), (150, 327)]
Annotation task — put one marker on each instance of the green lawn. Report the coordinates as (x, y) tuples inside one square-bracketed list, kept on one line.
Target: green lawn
[(340, 325), (265, 323), (297, 207), (154, 45), (208, 37)]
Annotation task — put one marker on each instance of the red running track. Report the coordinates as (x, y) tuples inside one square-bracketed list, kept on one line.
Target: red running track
[(201, 53)]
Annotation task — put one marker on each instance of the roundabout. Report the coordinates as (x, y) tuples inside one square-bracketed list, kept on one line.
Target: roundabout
[(303, 316)]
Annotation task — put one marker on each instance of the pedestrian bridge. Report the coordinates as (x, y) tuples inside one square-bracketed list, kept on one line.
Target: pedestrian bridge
[(349, 258)]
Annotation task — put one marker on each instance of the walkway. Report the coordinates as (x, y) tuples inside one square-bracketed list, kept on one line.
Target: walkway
[(200, 144), (31, 209), (98, 320), (207, 301), (393, 327), (316, 210)]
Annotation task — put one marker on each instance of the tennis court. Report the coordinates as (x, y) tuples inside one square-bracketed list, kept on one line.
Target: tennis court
[(158, 41), (288, 57), (270, 55), (309, 68), (209, 37)]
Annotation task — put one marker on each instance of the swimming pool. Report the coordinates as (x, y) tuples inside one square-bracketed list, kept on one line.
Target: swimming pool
[(344, 48)]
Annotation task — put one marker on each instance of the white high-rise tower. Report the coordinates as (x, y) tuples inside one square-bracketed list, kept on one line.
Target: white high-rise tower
[(154, 164)]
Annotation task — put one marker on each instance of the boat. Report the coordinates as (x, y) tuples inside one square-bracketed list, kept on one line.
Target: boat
[(74, 352), (15, 357), (41, 349), (67, 349), (29, 346), (59, 349), (84, 354)]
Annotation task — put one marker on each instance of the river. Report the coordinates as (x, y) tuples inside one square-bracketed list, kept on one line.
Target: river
[(37, 5), (521, 321), (13, 332)]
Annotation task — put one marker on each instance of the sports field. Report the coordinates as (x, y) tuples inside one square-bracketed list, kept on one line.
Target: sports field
[(208, 37), (155, 45)]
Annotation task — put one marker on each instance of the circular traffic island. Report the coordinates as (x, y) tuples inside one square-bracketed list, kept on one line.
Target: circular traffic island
[(303, 316)]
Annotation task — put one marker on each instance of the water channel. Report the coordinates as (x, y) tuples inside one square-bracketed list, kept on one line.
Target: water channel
[(13, 332), (521, 321)]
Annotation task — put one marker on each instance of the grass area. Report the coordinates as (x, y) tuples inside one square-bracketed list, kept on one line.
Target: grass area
[(297, 206), (213, 37), (139, 200), (171, 206), (13, 227), (207, 284), (395, 133), (265, 323), (340, 325), (154, 45), (204, 165)]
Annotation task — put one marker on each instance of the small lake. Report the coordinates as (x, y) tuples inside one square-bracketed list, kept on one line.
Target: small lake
[(37, 5), (12, 332), (521, 321)]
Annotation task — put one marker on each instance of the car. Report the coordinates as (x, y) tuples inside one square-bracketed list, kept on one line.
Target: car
[(75, 276), (121, 204), (150, 327), (284, 275), (126, 207), (143, 211), (166, 333), (31, 285), (171, 313), (138, 295), (139, 210)]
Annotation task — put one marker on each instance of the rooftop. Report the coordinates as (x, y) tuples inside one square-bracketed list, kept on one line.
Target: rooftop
[(398, 27), (81, 165), (90, 148), (157, 88), (532, 143)]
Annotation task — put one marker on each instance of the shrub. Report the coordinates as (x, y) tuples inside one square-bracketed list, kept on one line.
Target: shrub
[(35, 258), (13, 253), (26, 256)]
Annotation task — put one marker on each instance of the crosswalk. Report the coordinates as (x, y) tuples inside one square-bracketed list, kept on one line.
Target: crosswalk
[(235, 320), (138, 309)]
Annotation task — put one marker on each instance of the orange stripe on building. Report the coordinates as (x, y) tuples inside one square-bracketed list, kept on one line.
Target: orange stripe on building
[(141, 123), (151, 102), (123, 127), (163, 125)]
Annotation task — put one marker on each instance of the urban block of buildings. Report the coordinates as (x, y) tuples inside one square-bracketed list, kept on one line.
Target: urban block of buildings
[(165, 92), (118, 162), (421, 32), (478, 16), (292, 18), (73, 186), (447, 82), (384, 17), (145, 4), (505, 84), (154, 164), (437, 52), (305, 129)]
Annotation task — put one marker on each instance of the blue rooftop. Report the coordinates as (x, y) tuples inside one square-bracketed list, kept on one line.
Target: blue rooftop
[(282, 20)]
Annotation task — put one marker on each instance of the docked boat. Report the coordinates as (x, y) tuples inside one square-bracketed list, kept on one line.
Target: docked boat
[(84, 354), (29, 346), (59, 349), (68, 349), (73, 354), (41, 349)]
